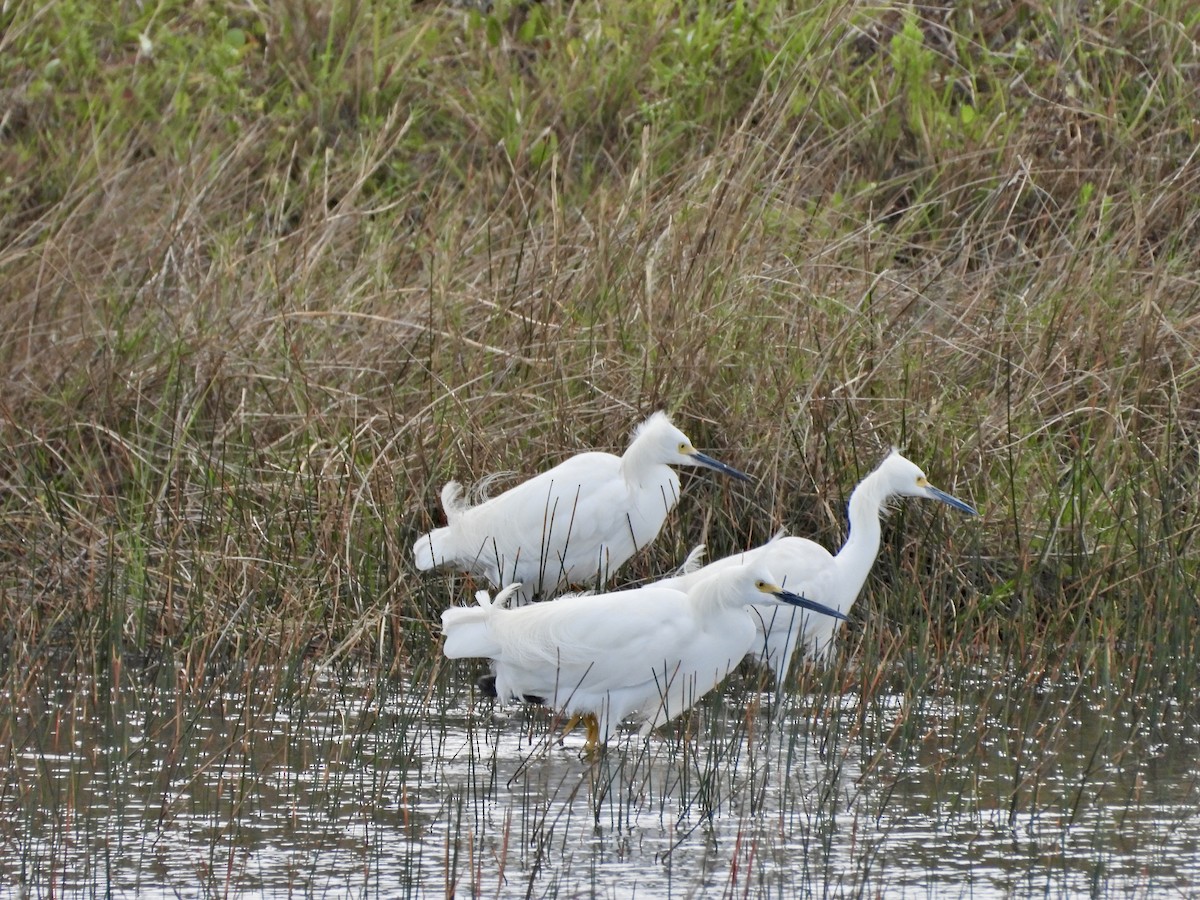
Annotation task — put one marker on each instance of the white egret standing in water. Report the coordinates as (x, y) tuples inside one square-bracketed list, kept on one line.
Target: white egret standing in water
[(648, 653), (807, 568), (574, 524)]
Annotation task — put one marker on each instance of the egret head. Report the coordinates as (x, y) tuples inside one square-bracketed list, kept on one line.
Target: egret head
[(905, 478), (753, 583), (764, 584), (671, 446)]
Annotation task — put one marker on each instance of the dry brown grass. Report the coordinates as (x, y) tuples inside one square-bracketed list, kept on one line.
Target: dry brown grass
[(248, 342)]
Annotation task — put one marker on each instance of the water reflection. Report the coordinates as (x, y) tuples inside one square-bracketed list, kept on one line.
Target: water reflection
[(417, 788)]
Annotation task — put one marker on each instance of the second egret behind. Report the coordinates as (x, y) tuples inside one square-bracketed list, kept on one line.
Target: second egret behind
[(574, 524), (649, 653), (809, 569)]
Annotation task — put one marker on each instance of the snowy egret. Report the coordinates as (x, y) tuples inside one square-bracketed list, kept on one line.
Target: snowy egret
[(808, 568), (576, 523), (650, 652)]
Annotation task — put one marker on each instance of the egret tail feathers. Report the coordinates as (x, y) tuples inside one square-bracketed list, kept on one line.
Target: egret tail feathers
[(437, 547), (431, 549), (453, 501), (466, 627), (694, 561), (467, 633)]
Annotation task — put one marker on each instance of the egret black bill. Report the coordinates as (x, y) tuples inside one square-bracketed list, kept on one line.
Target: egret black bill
[(805, 603), (951, 501), (715, 464)]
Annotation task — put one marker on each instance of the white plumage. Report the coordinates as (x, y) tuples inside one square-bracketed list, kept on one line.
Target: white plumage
[(807, 568), (574, 524), (648, 653)]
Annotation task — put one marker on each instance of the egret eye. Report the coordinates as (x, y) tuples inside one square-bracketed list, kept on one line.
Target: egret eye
[(922, 482), (685, 448), (760, 584)]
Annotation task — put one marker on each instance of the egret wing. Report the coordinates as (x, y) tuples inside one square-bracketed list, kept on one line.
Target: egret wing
[(606, 641), (522, 533)]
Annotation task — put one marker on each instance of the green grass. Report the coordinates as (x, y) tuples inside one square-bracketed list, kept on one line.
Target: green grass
[(275, 273)]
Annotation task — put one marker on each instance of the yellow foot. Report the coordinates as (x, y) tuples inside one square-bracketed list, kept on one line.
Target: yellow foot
[(592, 725), (593, 734), (571, 723)]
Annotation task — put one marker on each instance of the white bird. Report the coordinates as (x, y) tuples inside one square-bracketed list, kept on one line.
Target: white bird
[(650, 652), (575, 524), (809, 569)]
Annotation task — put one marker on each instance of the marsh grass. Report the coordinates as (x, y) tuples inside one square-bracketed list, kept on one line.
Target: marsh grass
[(326, 779), (274, 273)]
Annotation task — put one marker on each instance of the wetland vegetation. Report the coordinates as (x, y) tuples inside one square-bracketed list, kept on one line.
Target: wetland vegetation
[(274, 272)]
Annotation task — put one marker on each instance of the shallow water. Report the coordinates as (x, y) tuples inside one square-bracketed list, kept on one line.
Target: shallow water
[(370, 787)]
